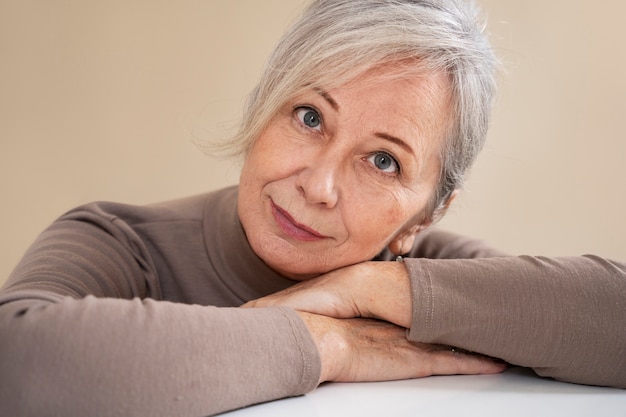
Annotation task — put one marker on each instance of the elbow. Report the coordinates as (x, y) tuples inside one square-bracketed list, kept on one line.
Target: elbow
[(608, 374)]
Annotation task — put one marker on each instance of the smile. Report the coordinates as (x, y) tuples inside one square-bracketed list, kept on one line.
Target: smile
[(292, 228)]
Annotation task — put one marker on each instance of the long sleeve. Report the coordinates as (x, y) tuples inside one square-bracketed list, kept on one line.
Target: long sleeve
[(563, 317), (96, 320), (112, 357)]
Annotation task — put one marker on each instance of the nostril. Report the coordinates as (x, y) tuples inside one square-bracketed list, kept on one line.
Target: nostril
[(300, 189)]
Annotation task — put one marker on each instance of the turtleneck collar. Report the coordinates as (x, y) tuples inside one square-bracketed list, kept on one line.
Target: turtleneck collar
[(239, 268)]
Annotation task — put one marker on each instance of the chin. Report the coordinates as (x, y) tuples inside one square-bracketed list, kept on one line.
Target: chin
[(292, 265)]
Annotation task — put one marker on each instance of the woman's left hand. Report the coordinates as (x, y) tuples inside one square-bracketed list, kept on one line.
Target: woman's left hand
[(378, 290)]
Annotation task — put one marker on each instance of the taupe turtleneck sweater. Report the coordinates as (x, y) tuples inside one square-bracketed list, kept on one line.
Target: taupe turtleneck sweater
[(126, 310)]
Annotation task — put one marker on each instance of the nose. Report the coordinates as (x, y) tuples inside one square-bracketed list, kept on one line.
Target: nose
[(318, 181)]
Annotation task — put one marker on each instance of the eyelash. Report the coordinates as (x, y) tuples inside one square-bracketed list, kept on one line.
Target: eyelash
[(387, 155), (298, 109)]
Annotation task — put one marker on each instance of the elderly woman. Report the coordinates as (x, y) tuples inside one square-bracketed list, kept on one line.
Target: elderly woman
[(356, 140)]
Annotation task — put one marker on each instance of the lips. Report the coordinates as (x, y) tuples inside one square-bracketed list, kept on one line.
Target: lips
[(292, 228)]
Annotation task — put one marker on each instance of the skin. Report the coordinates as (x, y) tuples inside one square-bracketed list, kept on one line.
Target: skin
[(324, 179), (336, 177)]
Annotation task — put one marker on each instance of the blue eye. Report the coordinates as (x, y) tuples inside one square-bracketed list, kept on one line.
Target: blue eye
[(309, 117), (384, 162)]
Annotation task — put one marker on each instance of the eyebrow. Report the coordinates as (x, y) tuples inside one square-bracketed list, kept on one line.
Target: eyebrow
[(328, 98), (395, 140)]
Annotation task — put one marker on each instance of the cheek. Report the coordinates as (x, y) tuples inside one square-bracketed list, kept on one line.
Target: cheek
[(273, 156), (380, 218)]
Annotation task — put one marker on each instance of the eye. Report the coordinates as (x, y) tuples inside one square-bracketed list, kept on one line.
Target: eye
[(309, 117), (384, 162)]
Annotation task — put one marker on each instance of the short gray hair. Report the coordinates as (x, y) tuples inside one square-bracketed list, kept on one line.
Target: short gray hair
[(337, 40)]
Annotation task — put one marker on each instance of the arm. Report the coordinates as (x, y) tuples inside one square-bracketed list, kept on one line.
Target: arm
[(562, 317), (354, 350), (103, 357), (64, 351)]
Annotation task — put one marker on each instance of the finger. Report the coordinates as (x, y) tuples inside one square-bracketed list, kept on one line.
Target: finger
[(251, 304)]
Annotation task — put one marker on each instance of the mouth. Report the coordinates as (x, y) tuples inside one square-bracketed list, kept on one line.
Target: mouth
[(292, 228)]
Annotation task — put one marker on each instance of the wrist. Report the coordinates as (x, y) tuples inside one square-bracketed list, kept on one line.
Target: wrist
[(387, 293), (330, 342)]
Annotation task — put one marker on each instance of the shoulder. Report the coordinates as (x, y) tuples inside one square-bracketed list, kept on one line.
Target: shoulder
[(187, 209), (437, 243)]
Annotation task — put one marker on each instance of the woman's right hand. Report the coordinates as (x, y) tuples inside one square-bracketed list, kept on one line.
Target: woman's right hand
[(372, 350)]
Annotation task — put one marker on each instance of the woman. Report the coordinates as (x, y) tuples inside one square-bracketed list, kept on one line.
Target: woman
[(355, 141)]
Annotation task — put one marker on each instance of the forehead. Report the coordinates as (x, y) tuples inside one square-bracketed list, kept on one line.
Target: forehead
[(415, 104), (430, 90)]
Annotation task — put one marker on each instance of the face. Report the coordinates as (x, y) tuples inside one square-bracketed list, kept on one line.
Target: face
[(338, 175)]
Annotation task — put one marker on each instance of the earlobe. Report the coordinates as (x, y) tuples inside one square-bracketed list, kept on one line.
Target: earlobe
[(403, 243)]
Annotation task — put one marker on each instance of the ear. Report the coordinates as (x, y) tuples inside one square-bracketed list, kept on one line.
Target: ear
[(403, 243)]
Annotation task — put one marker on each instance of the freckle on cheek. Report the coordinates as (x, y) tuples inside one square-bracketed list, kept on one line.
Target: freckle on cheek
[(391, 217)]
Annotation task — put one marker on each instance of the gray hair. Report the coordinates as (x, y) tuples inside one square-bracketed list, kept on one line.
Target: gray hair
[(335, 41)]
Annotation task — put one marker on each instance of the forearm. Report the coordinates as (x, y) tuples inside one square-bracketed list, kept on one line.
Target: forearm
[(563, 317), (106, 357), (331, 344), (357, 349)]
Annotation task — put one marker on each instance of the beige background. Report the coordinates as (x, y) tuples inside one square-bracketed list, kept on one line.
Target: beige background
[(101, 100)]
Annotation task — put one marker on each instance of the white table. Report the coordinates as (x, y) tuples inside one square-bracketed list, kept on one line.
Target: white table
[(514, 393)]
